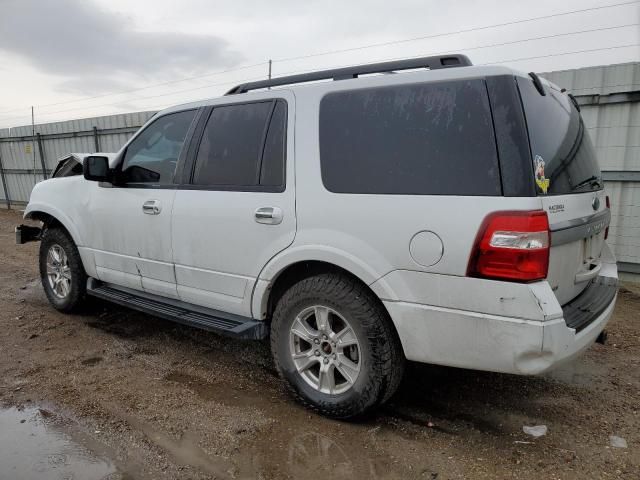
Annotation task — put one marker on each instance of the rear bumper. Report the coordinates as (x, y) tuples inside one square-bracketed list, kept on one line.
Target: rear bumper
[(489, 342), (580, 312), (523, 329)]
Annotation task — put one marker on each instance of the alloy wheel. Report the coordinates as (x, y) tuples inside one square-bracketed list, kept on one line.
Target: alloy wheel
[(325, 349), (58, 271)]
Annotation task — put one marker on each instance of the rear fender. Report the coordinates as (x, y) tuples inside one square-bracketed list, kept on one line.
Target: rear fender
[(306, 253)]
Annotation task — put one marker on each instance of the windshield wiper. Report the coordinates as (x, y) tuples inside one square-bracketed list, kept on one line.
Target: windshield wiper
[(591, 181)]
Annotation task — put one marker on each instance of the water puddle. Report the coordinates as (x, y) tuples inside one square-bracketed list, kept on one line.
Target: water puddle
[(295, 444), (185, 451), (34, 446)]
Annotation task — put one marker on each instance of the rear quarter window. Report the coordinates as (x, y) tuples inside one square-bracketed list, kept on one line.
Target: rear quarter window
[(424, 139)]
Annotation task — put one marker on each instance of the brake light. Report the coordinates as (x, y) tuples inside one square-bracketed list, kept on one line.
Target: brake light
[(513, 246), (607, 202)]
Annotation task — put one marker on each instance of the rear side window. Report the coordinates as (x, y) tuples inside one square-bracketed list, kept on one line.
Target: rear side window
[(242, 146), (564, 158), (272, 168), (428, 139)]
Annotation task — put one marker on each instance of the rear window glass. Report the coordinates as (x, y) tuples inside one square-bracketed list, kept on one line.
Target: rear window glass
[(564, 159), (427, 139)]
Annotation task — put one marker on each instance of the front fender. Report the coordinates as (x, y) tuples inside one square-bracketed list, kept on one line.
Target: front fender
[(65, 199), (33, 208)]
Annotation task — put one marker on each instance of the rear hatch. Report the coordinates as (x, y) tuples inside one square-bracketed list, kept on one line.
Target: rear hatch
[(569, 182)]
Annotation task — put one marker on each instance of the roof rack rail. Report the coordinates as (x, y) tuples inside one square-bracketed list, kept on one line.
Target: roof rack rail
[(432, 63)]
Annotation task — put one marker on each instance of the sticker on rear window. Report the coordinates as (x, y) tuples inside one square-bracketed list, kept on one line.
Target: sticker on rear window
[(541, 181)]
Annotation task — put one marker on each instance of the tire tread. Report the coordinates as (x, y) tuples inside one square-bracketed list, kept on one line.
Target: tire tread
[(386, 351), (77, 298)]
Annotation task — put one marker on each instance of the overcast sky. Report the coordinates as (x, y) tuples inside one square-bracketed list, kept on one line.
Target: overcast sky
[(56, 53)]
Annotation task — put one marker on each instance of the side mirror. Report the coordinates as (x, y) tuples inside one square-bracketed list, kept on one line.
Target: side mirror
[(96, 168)]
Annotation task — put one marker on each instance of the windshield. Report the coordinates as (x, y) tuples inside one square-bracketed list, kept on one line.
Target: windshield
[(564, 159)]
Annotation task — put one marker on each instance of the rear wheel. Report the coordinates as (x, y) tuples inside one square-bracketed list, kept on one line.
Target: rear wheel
[(334, 345), (61, 272)]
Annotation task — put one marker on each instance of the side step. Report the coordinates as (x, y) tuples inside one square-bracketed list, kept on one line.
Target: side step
[(181, 312)]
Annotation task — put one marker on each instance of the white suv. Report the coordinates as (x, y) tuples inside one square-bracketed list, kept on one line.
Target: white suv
[(450, 214)]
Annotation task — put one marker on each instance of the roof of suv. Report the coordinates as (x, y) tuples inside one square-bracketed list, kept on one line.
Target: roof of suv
[(376, 75)]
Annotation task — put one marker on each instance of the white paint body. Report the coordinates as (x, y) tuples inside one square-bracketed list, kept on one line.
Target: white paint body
[(206, 248)]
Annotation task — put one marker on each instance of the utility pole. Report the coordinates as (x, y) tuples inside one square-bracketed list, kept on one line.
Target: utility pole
[(33, 147), (270, 63)]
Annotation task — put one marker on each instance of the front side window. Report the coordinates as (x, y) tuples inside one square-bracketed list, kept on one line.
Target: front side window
[(153, 155), (424, 139)]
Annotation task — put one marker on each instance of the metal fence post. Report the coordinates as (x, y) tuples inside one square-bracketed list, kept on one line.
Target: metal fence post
[(96, 139), (42, 160), (7, 197)]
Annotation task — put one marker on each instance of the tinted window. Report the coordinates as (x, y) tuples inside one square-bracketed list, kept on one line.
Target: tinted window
[(153, 155), (563, 156), (231, 145), (410, 139), (273, 158)]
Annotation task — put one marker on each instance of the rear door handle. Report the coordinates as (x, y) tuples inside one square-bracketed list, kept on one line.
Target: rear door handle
[(269, 215), (152, 207)]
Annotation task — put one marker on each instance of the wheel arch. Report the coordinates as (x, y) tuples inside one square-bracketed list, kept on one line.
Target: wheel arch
[(288, 275), (52, 217), (292, 274), (293, 259)]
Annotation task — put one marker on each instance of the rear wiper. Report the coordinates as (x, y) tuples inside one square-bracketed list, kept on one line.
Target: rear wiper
[(592, 181), (537, 83)]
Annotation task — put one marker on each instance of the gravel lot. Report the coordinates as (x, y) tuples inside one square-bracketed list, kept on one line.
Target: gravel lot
[(144, 398)]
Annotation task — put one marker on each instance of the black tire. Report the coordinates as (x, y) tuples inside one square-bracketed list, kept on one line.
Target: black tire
[(380, 352), (75, 298)]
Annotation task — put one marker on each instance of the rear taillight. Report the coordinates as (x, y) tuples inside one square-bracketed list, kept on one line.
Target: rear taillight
[(607, 202), (512, 246)]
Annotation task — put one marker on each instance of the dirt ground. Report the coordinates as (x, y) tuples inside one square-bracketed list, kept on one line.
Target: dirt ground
[(155, 400)]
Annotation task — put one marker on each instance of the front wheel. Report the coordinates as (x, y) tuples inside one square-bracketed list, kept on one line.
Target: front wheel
[(61, 272), (335, 346)]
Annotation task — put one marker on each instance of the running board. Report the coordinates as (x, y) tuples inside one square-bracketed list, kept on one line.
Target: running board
[(181, 312)]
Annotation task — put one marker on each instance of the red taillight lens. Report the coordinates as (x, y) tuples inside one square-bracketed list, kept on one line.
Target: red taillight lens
[(512, 246)]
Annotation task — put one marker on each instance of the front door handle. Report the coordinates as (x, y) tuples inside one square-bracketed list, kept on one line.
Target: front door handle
[(152, 207), (269, 215)]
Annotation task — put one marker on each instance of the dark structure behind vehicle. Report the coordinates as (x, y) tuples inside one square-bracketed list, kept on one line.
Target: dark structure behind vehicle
[(69, 165)]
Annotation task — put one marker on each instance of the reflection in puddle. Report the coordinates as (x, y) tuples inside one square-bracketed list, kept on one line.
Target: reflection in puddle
[(324, 450), (185, 451), (33, 448), (313, 452), (316, 455)]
